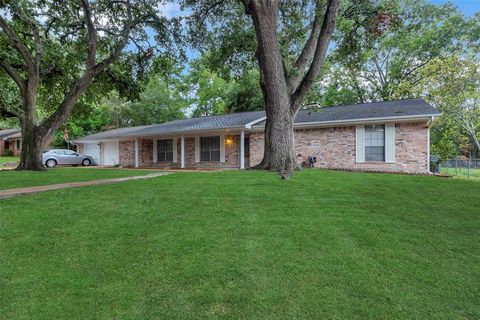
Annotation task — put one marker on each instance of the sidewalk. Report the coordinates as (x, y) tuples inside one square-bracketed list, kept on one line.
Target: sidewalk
[(9, 193)]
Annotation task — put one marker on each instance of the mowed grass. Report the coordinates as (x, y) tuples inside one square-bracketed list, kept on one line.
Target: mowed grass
[(245, 245), (462, 172), (4, 160), (12, 179)]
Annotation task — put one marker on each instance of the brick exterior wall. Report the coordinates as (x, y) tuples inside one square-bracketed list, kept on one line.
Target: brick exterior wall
[(335, 148), (231, 154), (12, 147), (127, 154)]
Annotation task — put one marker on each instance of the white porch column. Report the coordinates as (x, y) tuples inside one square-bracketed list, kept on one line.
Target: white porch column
[(136, 152), (242, 150), (182, 152)]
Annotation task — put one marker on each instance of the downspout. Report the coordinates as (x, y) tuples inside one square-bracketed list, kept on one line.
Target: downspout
[(429, 124)]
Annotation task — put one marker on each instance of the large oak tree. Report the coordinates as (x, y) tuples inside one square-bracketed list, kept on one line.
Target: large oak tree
[(55, 50), (284, 87), (292, 39)]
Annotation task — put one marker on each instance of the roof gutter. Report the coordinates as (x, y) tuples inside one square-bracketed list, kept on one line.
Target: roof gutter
[(254, 122), (430, 122), (166, 134), (364, 120), (251, 125)]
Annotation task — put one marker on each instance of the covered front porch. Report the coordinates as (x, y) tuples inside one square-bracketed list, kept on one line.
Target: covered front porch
[(221, 149)]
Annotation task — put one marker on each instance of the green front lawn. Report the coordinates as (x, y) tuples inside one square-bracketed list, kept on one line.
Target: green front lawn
[(461, 172), (4, 160), (14, 179), (245, 245)]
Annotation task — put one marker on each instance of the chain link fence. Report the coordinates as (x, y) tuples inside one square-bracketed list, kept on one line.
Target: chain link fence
[(468, 168)]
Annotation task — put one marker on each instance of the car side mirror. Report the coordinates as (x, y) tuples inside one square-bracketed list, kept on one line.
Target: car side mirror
[(77, 154)]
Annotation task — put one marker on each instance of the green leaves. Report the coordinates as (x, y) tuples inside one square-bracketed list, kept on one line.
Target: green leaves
[(214, 93), (385, 44), (453, 86)]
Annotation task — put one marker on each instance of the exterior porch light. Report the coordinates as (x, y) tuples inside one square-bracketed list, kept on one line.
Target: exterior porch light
[(228, 141)]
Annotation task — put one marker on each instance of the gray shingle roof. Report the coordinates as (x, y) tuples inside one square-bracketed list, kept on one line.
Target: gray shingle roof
[(234, 120), (388, 109), (372, 110), (110, 134), (7, 133)]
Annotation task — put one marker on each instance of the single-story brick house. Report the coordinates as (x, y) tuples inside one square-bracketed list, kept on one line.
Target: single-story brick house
[(388, 136), (10, 142)]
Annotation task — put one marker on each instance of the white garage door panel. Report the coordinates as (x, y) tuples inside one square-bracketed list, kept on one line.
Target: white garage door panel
[(93, 150), (110, 154)]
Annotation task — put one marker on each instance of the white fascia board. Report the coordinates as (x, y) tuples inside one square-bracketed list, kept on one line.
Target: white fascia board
[(360, 121), (217, 131), (86, 141), (254, 122), (97, 141)]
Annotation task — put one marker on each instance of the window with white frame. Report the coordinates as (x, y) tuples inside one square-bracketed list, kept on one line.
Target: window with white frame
[(210, 148), (375, 143), (165, 150)]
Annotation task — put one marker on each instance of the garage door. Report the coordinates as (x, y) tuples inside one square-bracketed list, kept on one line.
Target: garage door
[(93, 150), (110, 154)]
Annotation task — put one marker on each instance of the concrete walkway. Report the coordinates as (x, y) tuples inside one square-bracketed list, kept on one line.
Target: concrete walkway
[(9, 193)]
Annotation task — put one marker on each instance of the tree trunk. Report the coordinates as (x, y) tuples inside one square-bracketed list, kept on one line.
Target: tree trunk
[(32, 147), (476, 142), (33, 139), (279, 153)]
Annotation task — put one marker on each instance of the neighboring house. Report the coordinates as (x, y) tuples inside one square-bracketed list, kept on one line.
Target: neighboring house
[(382, 136), (10, 142)]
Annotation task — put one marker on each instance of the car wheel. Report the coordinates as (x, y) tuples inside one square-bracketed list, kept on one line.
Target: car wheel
[(86, 162), (51, 163)]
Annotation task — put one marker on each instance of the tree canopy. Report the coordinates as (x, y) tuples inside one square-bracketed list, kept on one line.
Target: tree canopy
[(55, 50)]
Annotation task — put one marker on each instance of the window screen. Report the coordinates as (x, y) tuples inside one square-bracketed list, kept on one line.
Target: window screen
[(165, 150), (375, 143), (210, 148)]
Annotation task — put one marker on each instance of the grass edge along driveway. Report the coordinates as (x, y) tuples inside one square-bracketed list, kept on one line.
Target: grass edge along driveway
[(10, 179)]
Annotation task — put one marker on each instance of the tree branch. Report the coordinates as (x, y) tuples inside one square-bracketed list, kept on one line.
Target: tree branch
[(210, 8), (18, 45), (92, 36), (21, 83), (100, 67), (325, 35), (306, 56), (92, 68), (8, 113), (81, 84)]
